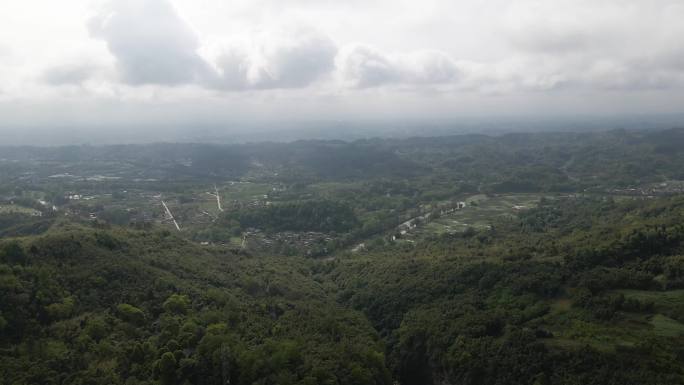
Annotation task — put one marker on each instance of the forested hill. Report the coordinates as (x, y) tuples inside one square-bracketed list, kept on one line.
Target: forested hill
[(93, 306), (573, 292), (580, 291), (532, 160)]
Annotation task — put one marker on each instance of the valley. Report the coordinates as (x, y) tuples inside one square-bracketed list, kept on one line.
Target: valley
[(517, 259)]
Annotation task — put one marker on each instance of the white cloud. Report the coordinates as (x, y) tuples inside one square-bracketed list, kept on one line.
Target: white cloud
[(68, 74), (151, 43), (361, 66), (428, 67), (608, 44), (393, 54), (286, 57), (580, 44)]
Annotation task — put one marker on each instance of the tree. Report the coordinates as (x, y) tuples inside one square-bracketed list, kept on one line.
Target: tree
[(130, 313), (177, 304), (13, 253), (167, 369)]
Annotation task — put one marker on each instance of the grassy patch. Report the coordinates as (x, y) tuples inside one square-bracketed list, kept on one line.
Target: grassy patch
[(14, 209), (480, 211), (666, 326), (244, 191), (661, 299), (669, 303), (561, 305)]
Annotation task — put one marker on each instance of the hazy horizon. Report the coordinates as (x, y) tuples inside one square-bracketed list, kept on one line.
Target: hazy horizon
[(246, 131)]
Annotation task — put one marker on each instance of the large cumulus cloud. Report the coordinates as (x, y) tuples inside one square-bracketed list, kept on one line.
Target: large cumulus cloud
[(151, 43), (540, 46)]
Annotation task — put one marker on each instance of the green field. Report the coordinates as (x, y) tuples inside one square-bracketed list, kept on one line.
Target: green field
[(661, 299), (571, 330), (242, 191), (480, 211), (14, 209), (666, 326)]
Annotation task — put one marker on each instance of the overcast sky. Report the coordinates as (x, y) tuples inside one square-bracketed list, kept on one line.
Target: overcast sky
[(80, 62)]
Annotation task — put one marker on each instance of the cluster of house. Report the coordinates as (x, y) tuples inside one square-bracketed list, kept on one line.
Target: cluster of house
[(458, 206), (13, 207), (78, 197), (664, 188), (45, 203)]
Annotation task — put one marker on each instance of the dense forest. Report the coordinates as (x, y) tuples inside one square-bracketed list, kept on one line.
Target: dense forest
[(548, 258), (109, 306), (576, 292)]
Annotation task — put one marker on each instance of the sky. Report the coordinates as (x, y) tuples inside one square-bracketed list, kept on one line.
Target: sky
[(150, 62)]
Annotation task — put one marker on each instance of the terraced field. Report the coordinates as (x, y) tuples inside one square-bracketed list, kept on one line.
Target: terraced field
[(480, 211), (570, 327), (14, 209)]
